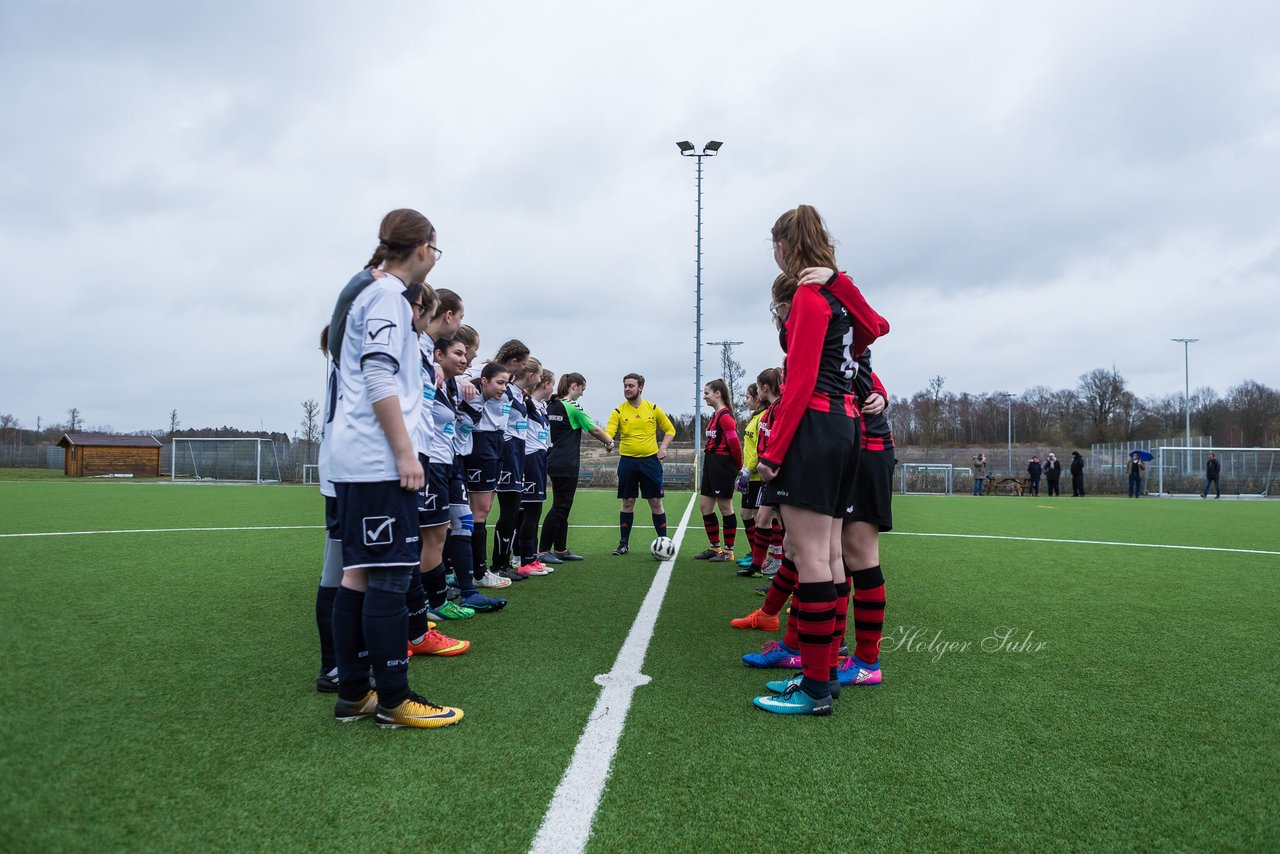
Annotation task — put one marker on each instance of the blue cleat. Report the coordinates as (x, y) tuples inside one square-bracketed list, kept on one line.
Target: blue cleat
[(794, 701), (774, 654)]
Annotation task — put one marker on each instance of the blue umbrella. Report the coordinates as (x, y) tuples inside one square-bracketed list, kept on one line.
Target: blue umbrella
[(1145, 456)]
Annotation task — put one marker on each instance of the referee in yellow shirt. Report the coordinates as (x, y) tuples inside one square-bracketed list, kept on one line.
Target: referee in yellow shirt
[(636, 424)]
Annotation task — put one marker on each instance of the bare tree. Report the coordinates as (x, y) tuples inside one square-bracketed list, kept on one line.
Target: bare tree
[(310, 425), (174, 423), (74, 421), (1101, 393)]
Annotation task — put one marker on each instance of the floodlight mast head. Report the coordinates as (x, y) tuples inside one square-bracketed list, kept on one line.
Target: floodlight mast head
[(712, 147), (685, 146)]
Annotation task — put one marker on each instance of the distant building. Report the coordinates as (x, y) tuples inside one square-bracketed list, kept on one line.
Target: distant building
[(94, 454)]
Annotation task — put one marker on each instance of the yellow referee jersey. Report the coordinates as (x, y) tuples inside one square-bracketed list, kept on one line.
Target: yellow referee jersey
[(636, 428)]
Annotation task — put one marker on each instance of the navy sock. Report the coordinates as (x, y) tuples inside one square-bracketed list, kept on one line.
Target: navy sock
[(624, 525), (457, 554), (350, 655), (660, 524), (415, 602), (479, 550), (386, 630), (324, 625), (434, 583)]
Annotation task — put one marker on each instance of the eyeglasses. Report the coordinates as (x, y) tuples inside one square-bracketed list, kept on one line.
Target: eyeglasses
[(419, 307), (438, 252)]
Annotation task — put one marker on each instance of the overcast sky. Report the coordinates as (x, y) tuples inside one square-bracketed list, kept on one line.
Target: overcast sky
[(1027, 191)]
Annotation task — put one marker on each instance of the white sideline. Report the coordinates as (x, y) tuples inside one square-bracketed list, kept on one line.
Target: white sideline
[(180, 530), (567, 823), (1083, 542)]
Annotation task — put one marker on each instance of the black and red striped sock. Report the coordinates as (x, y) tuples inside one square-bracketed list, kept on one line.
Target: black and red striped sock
[(730, 530), (775, 538), (782, 586), (814, 612), (749, 531), (842, 618), (712, 526), (868, 613), (759, 544)]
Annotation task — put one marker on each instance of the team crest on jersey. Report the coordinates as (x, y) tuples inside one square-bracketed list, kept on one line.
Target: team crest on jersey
[(379, 330), (378, 530)]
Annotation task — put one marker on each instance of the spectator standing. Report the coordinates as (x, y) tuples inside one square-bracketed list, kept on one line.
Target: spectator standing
[(1136, 468), (1052, 472), (979, 473), (1077, 475), (1212, 470), (1034, 470)]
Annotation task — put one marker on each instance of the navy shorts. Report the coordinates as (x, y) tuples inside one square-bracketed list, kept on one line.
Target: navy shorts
[(379, 525), (820, 467), (458, 483), (433, 498), (640, 476), (483, 461), (751, 500), (331, 522), (511, 469), (535, 477), (873, 489), (718, 476)]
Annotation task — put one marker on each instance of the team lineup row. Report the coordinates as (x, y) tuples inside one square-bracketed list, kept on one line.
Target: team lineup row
[(412, 460)]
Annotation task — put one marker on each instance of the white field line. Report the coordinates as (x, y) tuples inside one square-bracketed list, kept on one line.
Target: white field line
[(679, 533), (1085, 542), (567, 823)]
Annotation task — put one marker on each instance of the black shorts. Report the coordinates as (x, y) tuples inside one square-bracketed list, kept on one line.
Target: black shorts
[(379, 525), (511, 469), (433, 498), (873, 489), (819, 470), (331, 522), (751, 500), (458, 483), (534, 487), (640, 476), (484, 460), (718, 476)]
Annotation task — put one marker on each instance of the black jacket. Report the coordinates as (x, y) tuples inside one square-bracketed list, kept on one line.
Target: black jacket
[(1033, 469), (1053, 469), (1212, 469), (1077, 465)]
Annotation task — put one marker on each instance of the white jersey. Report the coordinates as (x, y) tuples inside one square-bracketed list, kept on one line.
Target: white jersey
[(518, 413), (538, 436), (444, 429), (322, 457), (423, 439), (494, 414), (468, 417), (380, 323)]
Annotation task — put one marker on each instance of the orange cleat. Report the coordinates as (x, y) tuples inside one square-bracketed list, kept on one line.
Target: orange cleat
[(757, 619)]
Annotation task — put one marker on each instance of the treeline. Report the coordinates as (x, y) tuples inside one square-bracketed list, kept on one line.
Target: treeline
[(12, 433), (1100, 409)]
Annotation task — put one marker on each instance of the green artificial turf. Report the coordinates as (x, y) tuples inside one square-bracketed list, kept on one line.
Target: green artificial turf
[(160, 688)]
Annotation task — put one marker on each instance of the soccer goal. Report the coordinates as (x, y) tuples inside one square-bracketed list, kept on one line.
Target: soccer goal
[(242, 460), (310, 473), (927, 478), (1245, 472)]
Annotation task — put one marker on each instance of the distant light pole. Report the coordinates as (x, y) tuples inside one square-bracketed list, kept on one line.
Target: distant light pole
[(1186, 368), (1008, 400), (726, 356), (708, 150)]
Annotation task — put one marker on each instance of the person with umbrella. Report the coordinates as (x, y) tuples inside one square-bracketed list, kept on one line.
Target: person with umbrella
[(1136, 467)]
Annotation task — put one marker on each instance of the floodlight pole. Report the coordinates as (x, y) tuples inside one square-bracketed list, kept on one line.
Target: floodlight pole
[(1186, 369), (1008, 400), (708, 150)]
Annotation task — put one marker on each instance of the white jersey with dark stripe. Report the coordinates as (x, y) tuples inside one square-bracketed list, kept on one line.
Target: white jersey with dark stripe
[(538, 436), (494, 414), (379, 325), (442, 445), (518, 420), (468, 417), (427, 368)]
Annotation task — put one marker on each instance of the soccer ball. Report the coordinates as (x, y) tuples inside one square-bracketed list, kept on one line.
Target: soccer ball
[(663, 548)]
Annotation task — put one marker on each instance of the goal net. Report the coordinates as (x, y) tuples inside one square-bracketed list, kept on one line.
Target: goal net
[(927, 478), (1245, 472), (310, 473), (242, 460)]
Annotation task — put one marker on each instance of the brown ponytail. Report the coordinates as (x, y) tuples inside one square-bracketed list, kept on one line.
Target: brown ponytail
[(401, 232), (807, 242)]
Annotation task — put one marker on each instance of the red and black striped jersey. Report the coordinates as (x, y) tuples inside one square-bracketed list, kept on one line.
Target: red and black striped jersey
[(876, 432), (722, 436), (765, 427), (828, 326)]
